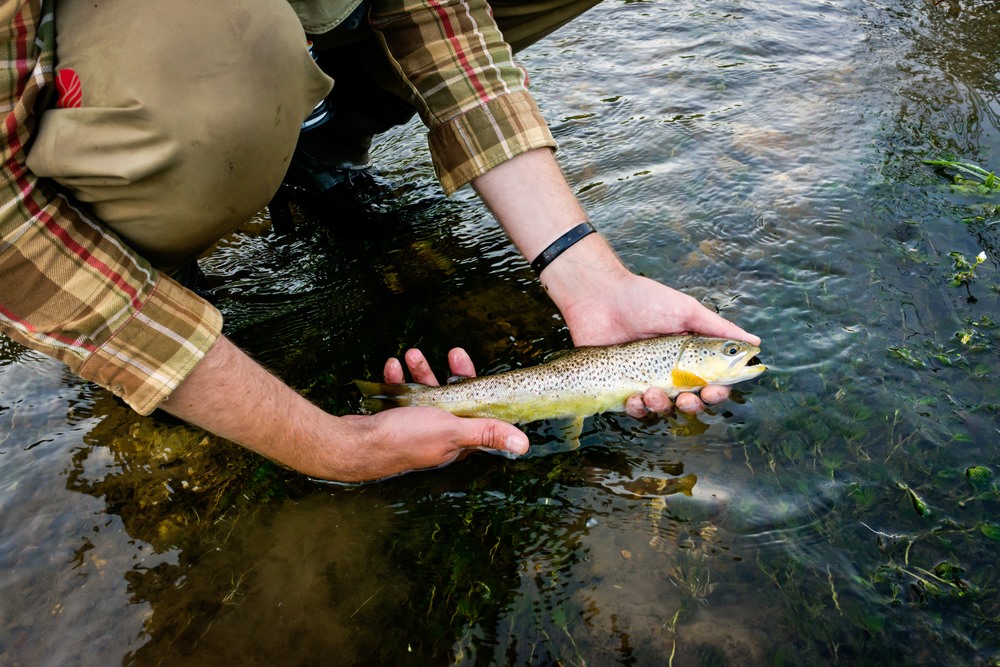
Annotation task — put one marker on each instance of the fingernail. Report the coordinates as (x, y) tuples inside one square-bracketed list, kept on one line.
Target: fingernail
[(516, 444)]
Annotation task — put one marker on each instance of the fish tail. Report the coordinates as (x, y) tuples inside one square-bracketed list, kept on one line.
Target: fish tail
[(378, 397)]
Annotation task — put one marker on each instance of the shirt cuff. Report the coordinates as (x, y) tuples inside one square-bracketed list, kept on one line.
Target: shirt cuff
[(152, 353), (474, 142)]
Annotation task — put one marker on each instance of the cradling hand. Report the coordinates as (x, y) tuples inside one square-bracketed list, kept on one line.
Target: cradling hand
[(624, 307), (414, 438)]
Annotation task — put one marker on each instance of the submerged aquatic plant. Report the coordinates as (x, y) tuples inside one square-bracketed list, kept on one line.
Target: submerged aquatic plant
[(919, 506), (965, 271), (982, 182), (978, 474)]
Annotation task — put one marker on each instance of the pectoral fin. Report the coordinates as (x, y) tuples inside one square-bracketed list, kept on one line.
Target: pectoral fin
[(685, 380), (570, 430)]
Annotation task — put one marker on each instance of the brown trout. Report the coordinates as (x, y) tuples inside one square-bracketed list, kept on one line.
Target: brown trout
[(583, 381)]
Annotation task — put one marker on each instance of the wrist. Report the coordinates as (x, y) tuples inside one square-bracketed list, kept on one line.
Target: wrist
[(583, 272), (563, 243), (579, 280)]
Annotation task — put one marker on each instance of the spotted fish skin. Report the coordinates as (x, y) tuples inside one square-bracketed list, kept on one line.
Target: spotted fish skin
[(582, 382)]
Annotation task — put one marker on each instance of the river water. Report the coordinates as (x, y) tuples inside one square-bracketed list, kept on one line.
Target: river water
[(766, 158)]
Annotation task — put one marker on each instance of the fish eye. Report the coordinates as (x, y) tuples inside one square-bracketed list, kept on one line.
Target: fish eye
[(732, 349)]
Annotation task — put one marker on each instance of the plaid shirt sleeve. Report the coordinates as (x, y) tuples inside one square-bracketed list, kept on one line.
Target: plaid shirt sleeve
[(68, 287), (464, 83)]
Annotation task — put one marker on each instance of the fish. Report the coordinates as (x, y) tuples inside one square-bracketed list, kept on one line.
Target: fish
[(658, 487), (581, 382)]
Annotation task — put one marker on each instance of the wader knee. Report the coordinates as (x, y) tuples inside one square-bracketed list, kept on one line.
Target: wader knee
[(188, 118)]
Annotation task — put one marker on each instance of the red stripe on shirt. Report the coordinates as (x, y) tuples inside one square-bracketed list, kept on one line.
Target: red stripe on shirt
[(66, 340), (71, 244), (449, 30), (24, 184), (21, 57)]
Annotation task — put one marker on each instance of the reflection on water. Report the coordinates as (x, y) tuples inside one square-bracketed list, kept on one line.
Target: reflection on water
[(766, 159)]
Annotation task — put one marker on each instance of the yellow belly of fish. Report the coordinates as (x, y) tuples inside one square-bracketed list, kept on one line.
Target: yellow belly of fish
[(529, 408), (535, 408)]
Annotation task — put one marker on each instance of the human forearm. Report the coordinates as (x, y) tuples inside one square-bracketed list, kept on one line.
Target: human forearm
[(601, 301), (533, 202), (231, 395)]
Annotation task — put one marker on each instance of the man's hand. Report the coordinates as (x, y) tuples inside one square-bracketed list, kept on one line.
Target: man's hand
[(622, 306), (601, 300), (402, 440), (435, 437), (232, 396)]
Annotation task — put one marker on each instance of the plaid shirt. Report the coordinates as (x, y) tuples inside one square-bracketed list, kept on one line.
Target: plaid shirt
[(71, 289), (465, 84)]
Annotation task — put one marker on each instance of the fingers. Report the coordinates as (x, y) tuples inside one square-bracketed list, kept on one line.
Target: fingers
[(710, 395), (494, 434), (419, 369), (460, 363), (714, 393), (653, 400), (635, 407), (709, 323), (688, 402), (393, 372), (656, 400)]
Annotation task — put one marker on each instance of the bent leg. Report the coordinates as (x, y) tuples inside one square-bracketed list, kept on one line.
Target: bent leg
[(190, 112), (525, 22)]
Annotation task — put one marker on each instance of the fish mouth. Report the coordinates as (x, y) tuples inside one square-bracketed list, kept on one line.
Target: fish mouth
[(754, 366), (742, 361), (748, 368)]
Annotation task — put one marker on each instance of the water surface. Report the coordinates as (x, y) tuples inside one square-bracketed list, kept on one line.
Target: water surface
[(765, 159)]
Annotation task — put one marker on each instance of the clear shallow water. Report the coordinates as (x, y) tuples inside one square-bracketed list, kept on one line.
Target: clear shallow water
[(764, 159)]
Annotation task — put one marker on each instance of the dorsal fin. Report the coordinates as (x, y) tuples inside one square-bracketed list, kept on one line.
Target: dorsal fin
[(686, 379)]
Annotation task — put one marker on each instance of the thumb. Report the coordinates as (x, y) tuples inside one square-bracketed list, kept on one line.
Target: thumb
[(709, 323), (494, 434)]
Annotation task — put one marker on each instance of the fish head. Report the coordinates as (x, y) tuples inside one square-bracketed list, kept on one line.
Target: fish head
[(718, 361)]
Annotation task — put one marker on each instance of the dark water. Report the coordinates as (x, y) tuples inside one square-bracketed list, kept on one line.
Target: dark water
[(766, 159)]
